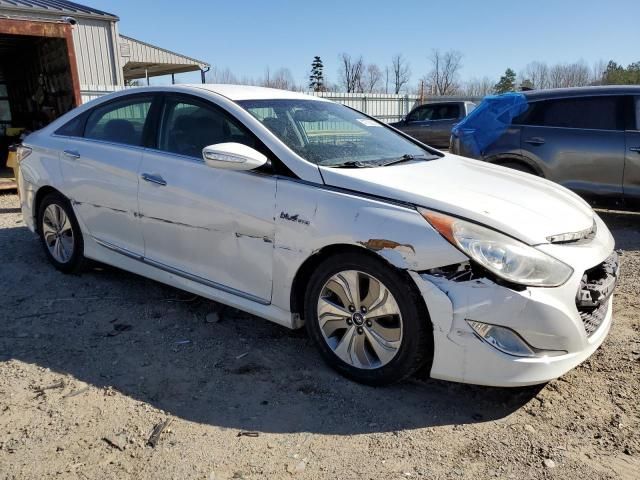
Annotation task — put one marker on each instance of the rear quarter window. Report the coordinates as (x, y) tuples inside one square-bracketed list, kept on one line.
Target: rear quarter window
[(119, 122), (595, 113)]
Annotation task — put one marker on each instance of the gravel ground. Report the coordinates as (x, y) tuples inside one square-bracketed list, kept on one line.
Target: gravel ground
[(90, 364)]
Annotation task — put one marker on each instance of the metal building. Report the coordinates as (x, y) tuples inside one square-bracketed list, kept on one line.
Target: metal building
[(56, 54)]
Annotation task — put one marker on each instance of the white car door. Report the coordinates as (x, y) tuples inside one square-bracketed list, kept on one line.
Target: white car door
[(100, 170), (211, 225)]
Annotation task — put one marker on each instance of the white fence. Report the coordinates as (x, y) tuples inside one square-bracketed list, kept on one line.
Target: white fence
[(91, 92), (386, 107)]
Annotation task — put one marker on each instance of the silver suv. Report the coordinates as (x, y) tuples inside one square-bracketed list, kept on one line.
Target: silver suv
[(586, 139)]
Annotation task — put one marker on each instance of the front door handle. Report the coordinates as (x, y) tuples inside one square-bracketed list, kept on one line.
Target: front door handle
[(635, 149), (157, 179), (72, 154), (535, 141)]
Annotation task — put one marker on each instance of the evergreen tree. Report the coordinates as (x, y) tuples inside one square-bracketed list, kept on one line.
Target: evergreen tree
[(618, 75), (507, 82), (316, 79)]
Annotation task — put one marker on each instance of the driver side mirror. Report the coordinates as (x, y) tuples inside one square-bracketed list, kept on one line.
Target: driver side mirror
[(233, 156)]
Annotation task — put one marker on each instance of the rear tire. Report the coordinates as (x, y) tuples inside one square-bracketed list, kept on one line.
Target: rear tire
[(60, 234), (374, 334)]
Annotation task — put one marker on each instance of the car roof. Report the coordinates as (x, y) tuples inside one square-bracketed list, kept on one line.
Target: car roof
[(248, 92), (533, 95)]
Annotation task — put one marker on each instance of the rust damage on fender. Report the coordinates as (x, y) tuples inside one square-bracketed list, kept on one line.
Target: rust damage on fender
[(377, 244), (393, 252)]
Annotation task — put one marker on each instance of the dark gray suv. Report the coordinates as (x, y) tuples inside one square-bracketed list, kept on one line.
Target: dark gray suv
[(431, 122), (586, 139)]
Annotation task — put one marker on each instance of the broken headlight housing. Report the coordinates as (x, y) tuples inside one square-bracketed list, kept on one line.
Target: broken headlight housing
[(506, 257)]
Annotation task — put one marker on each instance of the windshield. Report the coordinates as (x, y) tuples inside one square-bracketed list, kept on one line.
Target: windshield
[(333, 135)]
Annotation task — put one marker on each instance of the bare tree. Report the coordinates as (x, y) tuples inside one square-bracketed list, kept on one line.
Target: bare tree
[(598, 72), (478, 87), (217, 75), (569, 75), (401, 73), (445, 69), (351, 72), (578, 74), (537, 73), (371, 78), (281, 79)]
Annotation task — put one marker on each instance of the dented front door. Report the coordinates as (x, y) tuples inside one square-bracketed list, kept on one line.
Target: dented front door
[(213, 226)]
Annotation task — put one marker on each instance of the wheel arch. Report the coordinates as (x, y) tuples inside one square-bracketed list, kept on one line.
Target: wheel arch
[(42, 192), (303, 275)]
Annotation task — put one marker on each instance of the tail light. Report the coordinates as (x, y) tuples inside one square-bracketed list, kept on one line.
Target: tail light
[(22, 152)]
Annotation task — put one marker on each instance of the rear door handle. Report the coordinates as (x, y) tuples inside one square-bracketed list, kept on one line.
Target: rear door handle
[(635, 149), (157, 179), (72, 154), (535, 141)]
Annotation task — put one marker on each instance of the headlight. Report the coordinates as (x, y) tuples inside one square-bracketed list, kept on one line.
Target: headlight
[(502, 255)]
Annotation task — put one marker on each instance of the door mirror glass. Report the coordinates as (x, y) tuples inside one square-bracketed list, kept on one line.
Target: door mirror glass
[(233, 156)]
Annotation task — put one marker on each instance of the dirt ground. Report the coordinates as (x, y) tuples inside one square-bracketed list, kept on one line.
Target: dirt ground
[(90, 364)]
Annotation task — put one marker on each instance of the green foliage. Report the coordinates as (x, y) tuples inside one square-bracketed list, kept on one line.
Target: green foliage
[(507, 82), (618, 75), (316, 79)]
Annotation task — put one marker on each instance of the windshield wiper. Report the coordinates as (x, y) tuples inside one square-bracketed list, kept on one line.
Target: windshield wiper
[(407, 157), (350, 164)]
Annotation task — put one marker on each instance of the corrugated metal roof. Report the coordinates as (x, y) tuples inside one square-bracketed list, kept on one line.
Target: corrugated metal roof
[(145, 59), (53, 7)]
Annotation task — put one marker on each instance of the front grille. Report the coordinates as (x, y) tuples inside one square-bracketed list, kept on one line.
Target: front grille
[(596, 288), (592, 318)]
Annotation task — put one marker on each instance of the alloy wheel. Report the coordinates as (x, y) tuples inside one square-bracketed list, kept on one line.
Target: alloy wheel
[(58, 233), (360, 319)]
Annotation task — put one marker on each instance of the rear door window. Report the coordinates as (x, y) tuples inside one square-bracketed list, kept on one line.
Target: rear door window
[(119, 122), (596, 113)]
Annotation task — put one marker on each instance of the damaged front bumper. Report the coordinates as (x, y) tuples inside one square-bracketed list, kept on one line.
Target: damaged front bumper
[(561, 326)]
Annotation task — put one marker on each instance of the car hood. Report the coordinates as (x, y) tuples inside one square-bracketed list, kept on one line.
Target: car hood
[(521, 205)]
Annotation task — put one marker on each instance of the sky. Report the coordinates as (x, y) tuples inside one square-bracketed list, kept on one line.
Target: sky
[(249, 36)]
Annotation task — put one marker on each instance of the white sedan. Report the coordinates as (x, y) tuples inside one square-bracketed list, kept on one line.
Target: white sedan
[(396, 256)]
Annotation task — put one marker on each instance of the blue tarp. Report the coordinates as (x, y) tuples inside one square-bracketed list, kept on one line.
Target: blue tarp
[(489, 121)]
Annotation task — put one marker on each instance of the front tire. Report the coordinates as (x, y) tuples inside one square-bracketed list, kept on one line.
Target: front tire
[(366, 320), (60, 234)]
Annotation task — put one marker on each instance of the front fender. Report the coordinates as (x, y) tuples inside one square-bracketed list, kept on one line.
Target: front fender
[(311, 217)]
